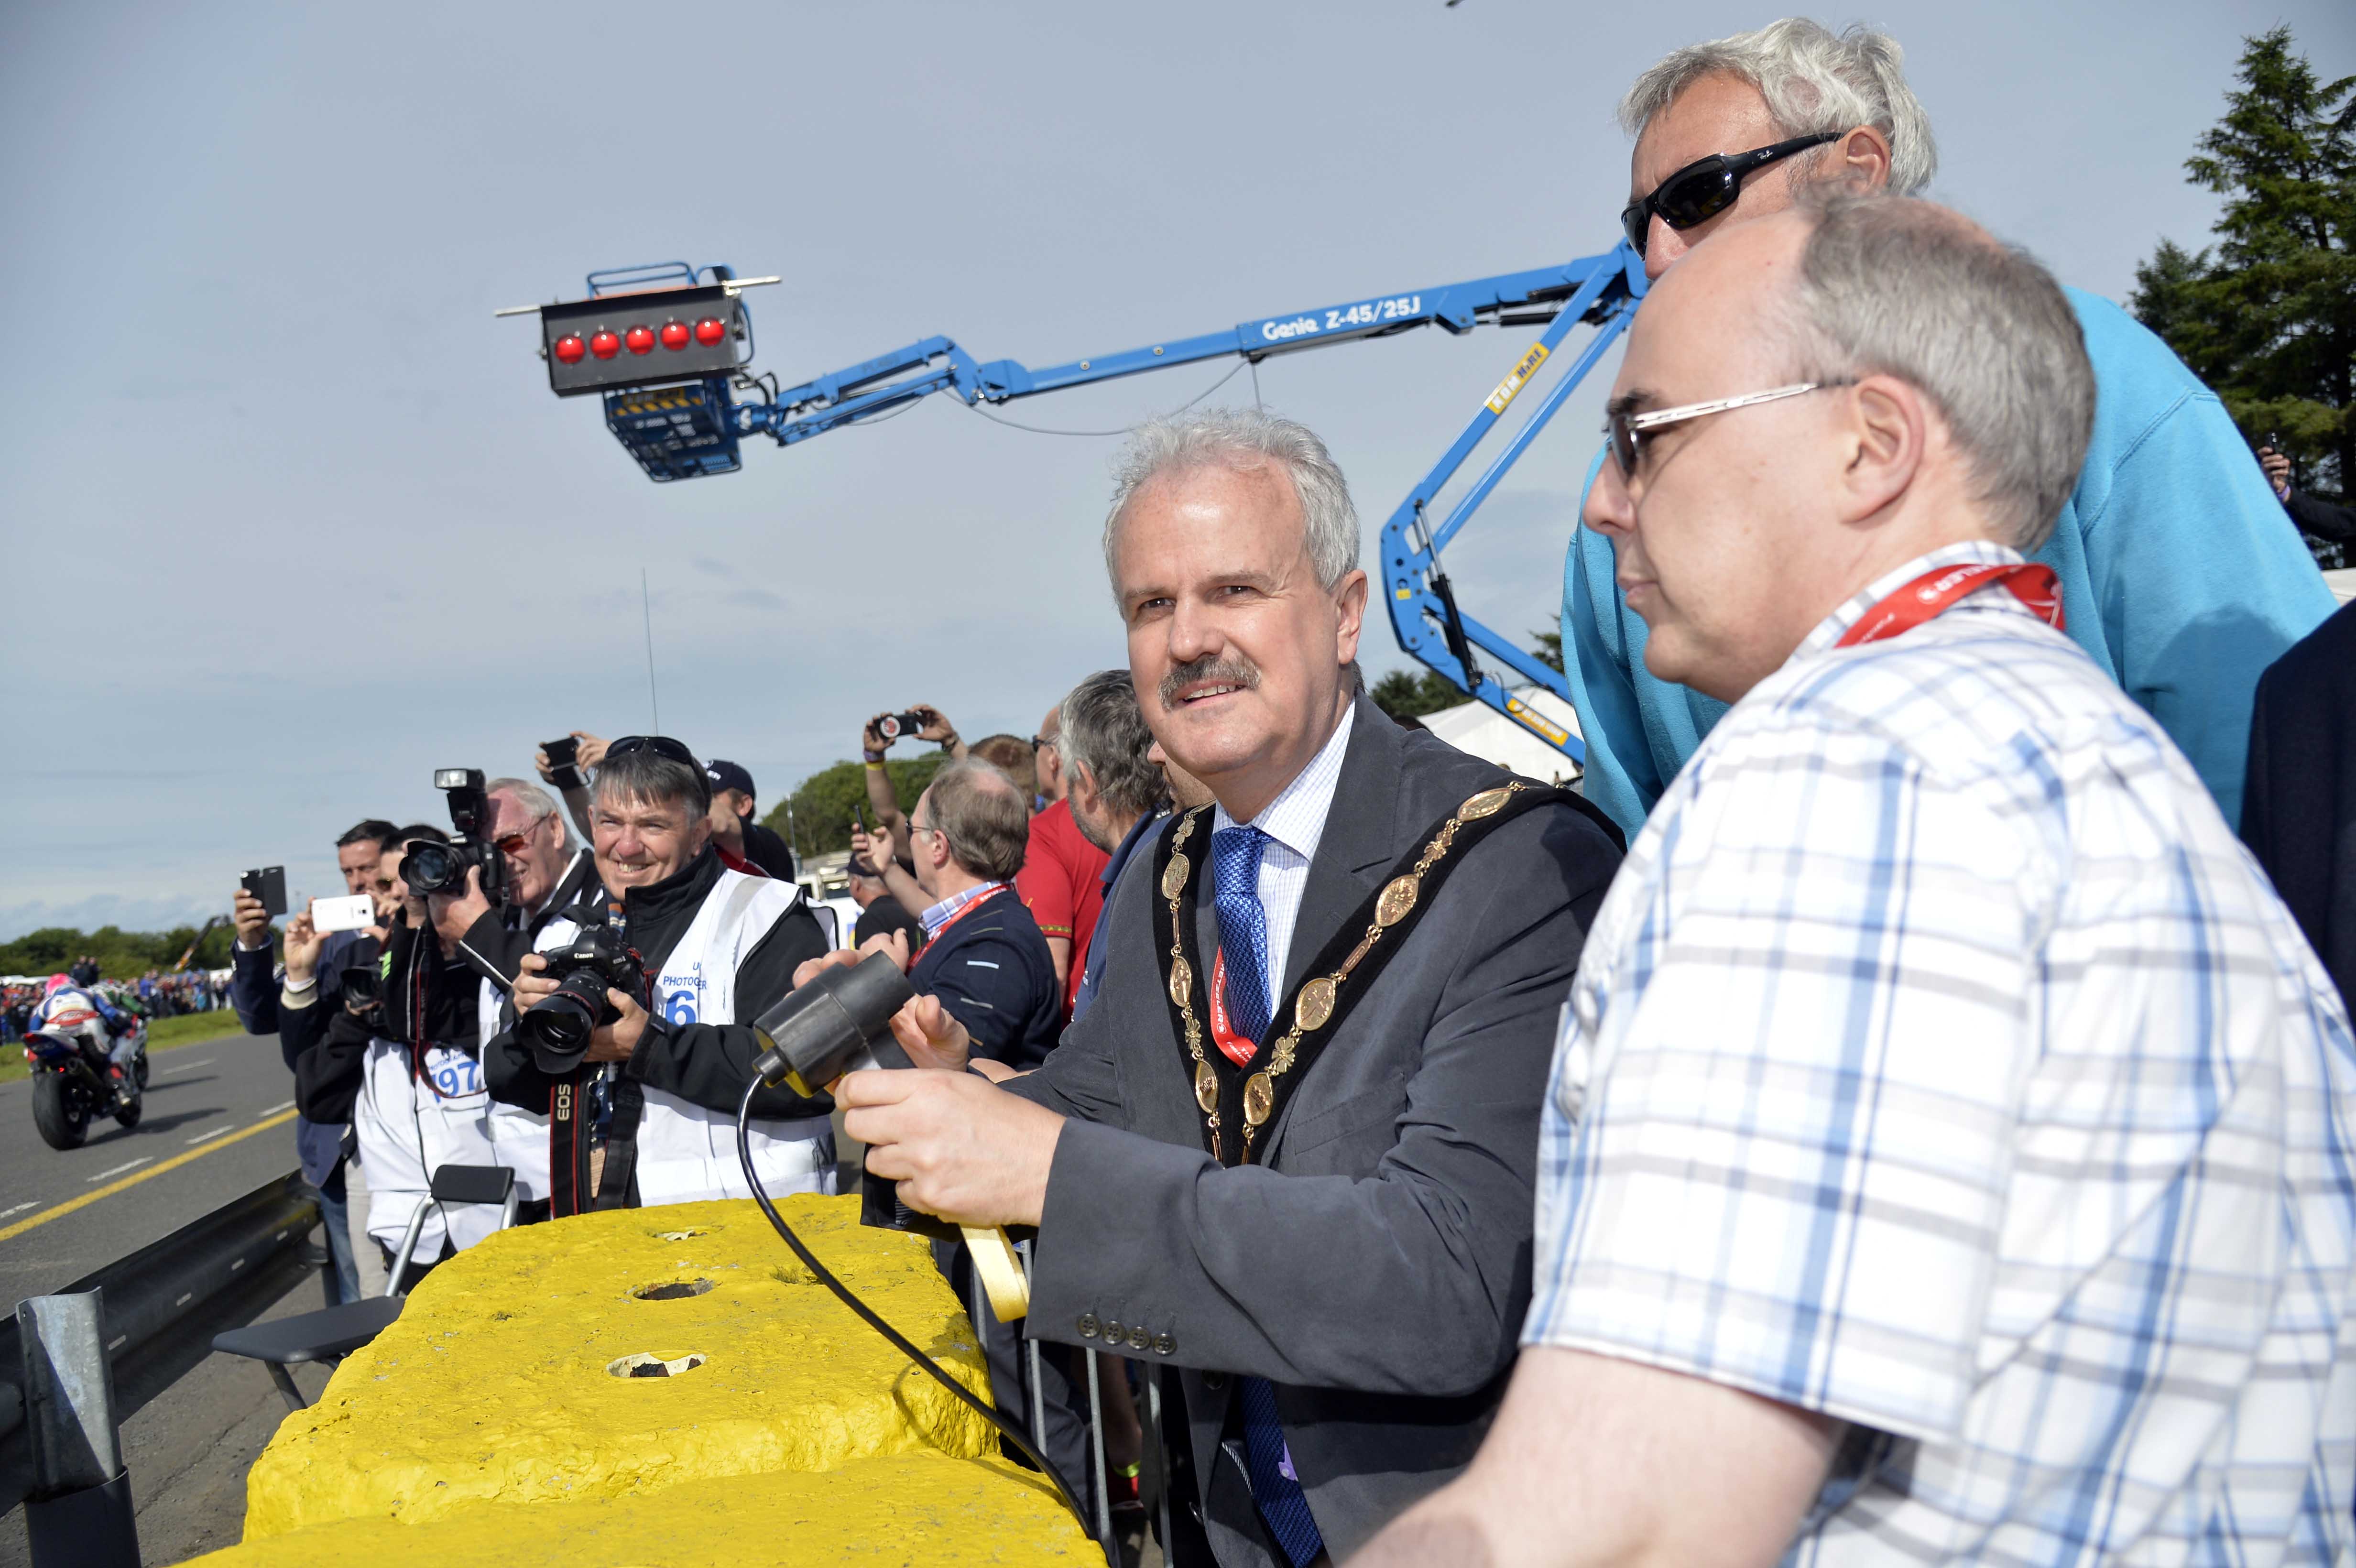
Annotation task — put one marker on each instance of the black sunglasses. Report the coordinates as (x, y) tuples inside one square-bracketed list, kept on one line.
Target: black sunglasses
[(1708, 187), (660, 745)]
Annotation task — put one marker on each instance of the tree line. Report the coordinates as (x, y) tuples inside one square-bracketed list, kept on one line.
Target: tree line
[(121, 954)]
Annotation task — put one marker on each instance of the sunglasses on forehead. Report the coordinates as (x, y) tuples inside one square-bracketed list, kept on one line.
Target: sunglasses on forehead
[(660, 745), (1707, 186)]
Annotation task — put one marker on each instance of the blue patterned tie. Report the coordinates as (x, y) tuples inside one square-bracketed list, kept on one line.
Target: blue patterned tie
[(1243, 927), (1243, 942)]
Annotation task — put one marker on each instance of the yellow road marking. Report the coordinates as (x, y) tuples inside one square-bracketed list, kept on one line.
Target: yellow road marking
[(177, 1160)]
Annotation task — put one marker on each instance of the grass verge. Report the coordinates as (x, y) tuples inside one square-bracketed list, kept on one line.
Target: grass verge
[(188, 1028)]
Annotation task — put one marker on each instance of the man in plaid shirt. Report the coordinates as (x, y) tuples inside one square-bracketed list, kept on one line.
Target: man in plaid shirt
[(1951, 1153)]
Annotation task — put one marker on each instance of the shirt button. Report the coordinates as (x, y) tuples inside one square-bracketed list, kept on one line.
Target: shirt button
[(1087, 1325), (1163, 1344), (1113, 1331), (1139, 1339)]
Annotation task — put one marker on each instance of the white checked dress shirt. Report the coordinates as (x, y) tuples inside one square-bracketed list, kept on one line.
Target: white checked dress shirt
[(1940, 1061), (1294, 822)]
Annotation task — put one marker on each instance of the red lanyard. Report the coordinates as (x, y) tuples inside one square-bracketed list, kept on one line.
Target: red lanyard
[(1235, 1046), (1936, 592)]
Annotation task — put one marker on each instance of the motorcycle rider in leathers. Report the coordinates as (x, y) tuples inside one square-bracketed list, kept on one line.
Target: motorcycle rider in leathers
[(104, 1030)]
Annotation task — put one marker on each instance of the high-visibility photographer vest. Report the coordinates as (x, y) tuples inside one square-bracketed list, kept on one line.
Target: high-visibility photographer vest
[(684, 1151), (410, 1123)]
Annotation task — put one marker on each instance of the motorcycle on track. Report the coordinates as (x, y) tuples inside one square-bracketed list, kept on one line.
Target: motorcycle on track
[(74, 1079)]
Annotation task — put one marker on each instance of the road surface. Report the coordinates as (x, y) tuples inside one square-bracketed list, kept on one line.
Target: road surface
[(202, 1142)]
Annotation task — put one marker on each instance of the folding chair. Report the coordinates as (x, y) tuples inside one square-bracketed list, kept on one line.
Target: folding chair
[(332, 1334)]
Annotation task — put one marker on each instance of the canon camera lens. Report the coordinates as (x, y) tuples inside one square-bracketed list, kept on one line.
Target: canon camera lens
[(430, 867), (557, 1027)]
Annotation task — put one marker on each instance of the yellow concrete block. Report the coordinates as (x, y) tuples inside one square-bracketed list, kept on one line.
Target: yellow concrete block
[(920, 1511), (494, 1386)]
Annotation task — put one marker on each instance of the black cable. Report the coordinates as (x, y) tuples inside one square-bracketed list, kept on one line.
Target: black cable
[(1127, 429), (867, 1315)]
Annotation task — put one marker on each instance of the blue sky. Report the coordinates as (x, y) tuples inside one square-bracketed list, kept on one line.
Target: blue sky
[(294, 520)]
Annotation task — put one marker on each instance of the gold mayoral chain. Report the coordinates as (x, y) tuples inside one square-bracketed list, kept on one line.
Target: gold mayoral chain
[(1319, 998)]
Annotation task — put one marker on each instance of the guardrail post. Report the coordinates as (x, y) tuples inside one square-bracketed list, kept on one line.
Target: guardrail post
[(78, 1512)]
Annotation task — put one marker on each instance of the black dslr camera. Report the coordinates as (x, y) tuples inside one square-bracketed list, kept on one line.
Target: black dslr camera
[(557, 1028), (433, 868)]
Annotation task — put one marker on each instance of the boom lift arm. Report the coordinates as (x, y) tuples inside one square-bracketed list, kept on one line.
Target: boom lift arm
[(665, 349)]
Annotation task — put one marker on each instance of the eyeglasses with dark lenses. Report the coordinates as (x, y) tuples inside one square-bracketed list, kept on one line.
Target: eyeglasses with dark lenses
[(1707, 186), (660, 745), (515, 843)]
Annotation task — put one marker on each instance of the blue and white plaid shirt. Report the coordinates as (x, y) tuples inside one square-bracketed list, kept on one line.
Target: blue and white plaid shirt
[(1940, 1062)]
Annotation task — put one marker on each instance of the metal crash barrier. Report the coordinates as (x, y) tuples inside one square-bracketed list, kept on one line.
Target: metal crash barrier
[(62, 1355)]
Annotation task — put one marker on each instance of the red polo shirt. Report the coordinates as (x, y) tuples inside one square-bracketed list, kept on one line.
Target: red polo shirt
[(1059, 884)]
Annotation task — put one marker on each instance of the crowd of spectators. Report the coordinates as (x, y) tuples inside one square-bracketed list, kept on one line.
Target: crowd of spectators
[(154, 995)]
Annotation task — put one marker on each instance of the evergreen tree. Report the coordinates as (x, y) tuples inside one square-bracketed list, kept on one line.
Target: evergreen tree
[(1405, 695), (2267, 316)]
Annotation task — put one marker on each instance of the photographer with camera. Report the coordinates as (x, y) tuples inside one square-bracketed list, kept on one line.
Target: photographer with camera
[(383, 1049), (424, 1103), (541, 874), (644, 992)]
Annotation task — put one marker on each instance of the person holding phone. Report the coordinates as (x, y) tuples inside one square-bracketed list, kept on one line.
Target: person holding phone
[(264, 1006), (2313, 514), (566, 765)]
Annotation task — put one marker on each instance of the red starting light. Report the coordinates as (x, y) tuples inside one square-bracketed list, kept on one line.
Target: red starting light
[(674, 334), (708, 331), (604, 343), (570, 348), (640, 340)]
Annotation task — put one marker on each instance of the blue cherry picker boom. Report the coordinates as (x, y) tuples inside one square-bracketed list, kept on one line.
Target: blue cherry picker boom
[(667, 348)]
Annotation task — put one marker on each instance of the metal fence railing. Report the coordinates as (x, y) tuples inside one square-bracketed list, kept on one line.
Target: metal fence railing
[(171, 1281)]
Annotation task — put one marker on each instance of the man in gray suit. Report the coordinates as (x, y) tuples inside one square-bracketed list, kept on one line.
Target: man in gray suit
[(1310, 1198)]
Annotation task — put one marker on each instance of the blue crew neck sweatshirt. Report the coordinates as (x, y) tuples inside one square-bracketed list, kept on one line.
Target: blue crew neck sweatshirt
[(2181, 577)]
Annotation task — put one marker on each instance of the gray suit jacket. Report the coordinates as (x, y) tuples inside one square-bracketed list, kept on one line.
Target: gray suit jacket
[(1375, 1264)]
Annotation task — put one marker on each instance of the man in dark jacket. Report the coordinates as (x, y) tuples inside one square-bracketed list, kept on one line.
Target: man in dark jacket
[(715, 950), (253, 991), (1289, 1155), (736, 825), (2298, 815), (2315, 517), (984, 957)]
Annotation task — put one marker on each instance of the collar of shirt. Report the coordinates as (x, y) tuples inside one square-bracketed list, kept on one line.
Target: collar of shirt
[(1296, 817), (941, 914), (1970, 552), (1117, 860)]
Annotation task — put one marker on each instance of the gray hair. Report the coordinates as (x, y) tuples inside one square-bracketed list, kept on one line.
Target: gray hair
[(1893, 285), (1813, 80), (1104, 731), (1242, 439), (533, 799), (649, 776), (983, 815)]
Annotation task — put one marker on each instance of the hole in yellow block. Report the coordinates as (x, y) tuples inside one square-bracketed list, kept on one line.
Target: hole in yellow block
[(676, 1235), (644, 1365), (672, 1289)]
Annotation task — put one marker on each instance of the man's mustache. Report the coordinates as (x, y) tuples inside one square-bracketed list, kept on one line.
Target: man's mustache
[(1231, 670)]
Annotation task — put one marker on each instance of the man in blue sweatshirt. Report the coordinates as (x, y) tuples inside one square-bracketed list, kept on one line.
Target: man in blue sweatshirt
[(2177, 576)]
